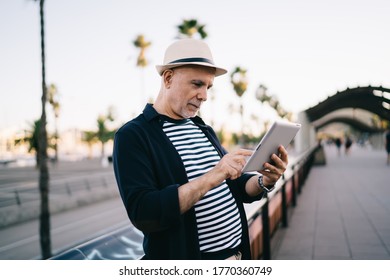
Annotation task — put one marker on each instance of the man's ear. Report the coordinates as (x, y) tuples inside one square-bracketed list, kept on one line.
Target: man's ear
[(167, 77)]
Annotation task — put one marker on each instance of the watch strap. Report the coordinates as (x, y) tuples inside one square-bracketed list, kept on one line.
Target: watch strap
[(264, 187)]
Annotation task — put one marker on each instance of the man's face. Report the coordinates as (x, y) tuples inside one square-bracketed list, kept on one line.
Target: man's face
[(187, 90)]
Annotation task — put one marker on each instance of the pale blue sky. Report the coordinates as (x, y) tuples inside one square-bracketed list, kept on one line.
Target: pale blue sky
[(303, 51)]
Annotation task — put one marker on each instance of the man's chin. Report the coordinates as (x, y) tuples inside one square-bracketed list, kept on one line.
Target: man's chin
[(191, 114)]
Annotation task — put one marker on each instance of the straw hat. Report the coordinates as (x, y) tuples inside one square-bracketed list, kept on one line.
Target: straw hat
[(188, 51)]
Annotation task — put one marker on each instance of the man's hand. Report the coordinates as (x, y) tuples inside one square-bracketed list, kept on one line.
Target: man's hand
[(230, 166), (272, 173)]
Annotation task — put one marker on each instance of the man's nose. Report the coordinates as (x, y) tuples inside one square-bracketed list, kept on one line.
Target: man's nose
[(202, 94)]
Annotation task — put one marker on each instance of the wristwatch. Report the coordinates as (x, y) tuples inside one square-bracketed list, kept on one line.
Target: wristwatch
[(265, 188)]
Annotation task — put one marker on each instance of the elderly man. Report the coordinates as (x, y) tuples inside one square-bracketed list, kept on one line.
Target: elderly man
[(178, 184)]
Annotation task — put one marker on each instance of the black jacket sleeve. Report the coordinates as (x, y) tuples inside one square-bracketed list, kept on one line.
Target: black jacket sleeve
[(150, 207)]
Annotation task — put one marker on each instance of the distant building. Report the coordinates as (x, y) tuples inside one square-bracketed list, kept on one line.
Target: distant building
[(70, 146)]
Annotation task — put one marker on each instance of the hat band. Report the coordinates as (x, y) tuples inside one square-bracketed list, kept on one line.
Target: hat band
[(192, 59)]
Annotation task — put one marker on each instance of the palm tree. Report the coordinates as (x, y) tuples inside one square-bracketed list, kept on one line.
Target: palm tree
[(52, 92), (240, 85), (44, 225), (31, 137), (263, 96), (89, 137), (142, 62), (142, 44), (190, 28), (104, 134)]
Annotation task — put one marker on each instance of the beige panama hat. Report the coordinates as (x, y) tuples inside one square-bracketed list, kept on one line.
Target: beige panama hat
[(188, 51)]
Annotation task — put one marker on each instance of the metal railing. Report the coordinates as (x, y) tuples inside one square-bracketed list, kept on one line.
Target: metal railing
[(264, 219)]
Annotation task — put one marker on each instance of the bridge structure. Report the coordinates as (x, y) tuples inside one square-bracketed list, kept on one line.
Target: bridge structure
[(368, 100), (341, 213)]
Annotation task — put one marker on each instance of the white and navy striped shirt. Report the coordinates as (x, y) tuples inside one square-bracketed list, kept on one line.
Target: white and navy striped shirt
[(217, 216)]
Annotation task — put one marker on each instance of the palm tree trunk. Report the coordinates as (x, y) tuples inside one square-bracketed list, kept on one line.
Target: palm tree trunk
[(102, 150), (144, 99), (44, 226), (56, 141), (242, 123)]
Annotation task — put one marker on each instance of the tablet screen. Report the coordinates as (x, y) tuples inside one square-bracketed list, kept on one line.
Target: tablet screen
[(280, 133)]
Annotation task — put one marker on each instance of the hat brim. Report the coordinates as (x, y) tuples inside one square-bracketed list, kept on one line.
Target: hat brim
[(218, 71)]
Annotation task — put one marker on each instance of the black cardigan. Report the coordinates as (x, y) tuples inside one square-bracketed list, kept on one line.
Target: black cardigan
[(149, 171)]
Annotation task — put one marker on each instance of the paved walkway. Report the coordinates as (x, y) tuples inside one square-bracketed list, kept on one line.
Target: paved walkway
[(343, 211)]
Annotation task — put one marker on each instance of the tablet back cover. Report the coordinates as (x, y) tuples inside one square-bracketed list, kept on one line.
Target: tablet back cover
[(280, 133)]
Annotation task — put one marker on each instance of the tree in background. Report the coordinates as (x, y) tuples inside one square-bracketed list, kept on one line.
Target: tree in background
[(44, 221), (263, 96), (90, 138), (31, 137), (53, 97), (142, 62), (189, 28), (240, 85), (142, 44), (104, 134)]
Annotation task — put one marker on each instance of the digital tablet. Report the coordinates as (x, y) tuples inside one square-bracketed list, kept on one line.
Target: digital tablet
[(280, 133)]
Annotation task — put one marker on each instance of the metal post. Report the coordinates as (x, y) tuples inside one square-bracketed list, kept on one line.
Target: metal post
[(266, 231), (68, 189), (301, 170), (294, 192), (17, 198), (87, 184), (284, 206)]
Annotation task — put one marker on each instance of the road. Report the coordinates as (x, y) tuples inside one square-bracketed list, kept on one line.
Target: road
[(72, 223), (21, 242)]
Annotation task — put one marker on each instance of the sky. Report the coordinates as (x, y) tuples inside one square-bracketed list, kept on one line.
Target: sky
[(303, 51)]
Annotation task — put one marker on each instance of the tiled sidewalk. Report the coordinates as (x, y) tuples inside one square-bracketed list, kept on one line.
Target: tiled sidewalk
[(343, 211)]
